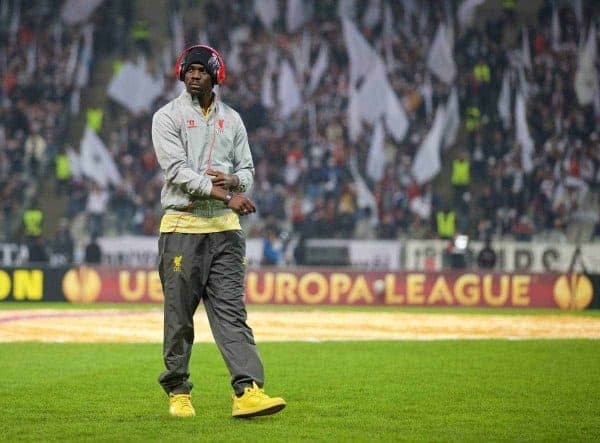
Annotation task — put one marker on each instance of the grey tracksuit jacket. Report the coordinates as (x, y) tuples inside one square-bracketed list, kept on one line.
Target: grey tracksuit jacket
[(187, 144)]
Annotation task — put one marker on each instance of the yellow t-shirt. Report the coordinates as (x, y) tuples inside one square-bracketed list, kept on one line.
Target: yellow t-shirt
[(192, 224)]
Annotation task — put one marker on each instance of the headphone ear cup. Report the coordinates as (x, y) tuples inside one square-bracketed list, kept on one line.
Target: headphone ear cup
[(180, 73), (221, 74)]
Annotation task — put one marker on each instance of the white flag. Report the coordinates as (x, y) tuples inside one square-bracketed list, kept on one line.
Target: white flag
[(440, 60), (396, 120), (301, 54), (134, 88), (373, 93), (288, 92), (354, 118), (83, 68), (267, 99), (555, 29), (178, 33), (376, 155), (522, 134), (74, 162), (525, 50), (388, 38), (267, 12), (372, 15), (75, 101), (266, 93), (523, 83), (361, 54), (296, 15), (364, 196), (426, 91), (375, 99), (76, 11), (96, 161), (504, 101), (320, 67), (452, 120), (346, 8), (427, 163), (234, 62), (586, 76)]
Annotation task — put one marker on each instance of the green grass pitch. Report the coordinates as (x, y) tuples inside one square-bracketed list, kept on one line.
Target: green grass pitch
[(473, 390)]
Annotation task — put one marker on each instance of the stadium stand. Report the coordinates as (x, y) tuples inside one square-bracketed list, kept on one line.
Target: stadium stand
[(523, 162)]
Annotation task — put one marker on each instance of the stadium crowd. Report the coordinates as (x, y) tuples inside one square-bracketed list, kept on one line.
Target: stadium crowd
[(37, 86), (309, 172)]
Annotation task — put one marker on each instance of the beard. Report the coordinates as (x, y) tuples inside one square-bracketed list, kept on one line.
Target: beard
[(199, 89)]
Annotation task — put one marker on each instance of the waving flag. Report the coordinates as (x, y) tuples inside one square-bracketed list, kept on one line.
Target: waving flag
[(586, 76), (96, 161), (319, 68), (504, 101), (362, 56), (452, 120), (427, 163), (376, 156), (440, 60), (266, 11), (522, 134), (288, 92), (134, 88), (297, 13)]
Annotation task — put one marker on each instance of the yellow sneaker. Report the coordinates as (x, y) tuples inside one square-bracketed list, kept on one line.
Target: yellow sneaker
[(180, 405), (255, 402)]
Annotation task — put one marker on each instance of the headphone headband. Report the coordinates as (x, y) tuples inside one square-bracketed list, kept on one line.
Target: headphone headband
[(218, 77)]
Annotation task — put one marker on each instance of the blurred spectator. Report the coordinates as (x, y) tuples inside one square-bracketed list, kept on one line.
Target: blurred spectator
[(33, 220), (37, 250), (461, 178), (486, 258), (93, 253), (97, 202), (62, 244), (273, 249), (62, 171)]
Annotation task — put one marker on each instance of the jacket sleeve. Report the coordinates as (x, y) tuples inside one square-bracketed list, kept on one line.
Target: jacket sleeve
[(172, 157), (243, 166)]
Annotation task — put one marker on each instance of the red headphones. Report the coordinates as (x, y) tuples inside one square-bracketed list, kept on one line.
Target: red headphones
[(219, 78)]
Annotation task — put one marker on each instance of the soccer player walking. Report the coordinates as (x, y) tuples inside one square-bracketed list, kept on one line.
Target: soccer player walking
[(202, 146)]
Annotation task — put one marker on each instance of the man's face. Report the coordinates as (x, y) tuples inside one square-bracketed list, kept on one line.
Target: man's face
[(197, 80)]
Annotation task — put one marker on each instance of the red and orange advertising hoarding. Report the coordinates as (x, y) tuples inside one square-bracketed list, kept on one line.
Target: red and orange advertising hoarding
[(315, 286)]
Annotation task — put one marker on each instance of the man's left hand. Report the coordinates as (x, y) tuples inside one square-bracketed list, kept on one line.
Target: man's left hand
[(226, 181)]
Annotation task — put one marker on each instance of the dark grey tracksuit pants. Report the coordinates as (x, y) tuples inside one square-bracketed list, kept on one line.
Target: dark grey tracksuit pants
[(207, 267)]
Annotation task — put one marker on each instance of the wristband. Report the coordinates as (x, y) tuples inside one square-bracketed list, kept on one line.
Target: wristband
[(228, 198)]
